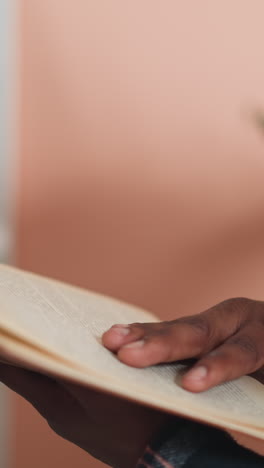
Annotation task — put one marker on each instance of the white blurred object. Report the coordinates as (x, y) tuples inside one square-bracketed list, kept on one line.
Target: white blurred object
[(4, 241), (7, 33)]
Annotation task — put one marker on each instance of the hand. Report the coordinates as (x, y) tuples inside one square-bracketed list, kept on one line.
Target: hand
[(111, 429), (227, 341)]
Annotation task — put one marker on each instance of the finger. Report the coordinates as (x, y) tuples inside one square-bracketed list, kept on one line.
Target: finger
[(184, 338), (188, 337), (241, 354), (214, 325), (120, 335)]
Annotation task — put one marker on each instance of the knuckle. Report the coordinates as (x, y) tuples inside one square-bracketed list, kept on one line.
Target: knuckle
[(198, 323), (237, 309), (234, 304), (247, 346)]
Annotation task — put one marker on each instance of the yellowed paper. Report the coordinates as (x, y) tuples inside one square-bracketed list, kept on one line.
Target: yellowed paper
[(55, 329)]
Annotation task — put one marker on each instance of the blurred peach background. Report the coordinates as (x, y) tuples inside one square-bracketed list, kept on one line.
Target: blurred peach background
[(140, 170)]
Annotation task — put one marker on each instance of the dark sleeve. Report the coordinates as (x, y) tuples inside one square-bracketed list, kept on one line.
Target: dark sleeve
[(186, 444)]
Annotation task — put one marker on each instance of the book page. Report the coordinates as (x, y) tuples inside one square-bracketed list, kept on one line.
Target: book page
[(58, 328), (57, 316)]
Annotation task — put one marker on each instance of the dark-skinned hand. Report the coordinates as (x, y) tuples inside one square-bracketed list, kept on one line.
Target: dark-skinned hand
[(227, 341)]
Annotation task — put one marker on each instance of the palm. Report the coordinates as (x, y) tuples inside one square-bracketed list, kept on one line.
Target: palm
[(112, 430)]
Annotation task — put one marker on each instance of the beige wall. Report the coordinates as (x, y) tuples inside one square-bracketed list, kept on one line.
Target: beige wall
[(141, 172)]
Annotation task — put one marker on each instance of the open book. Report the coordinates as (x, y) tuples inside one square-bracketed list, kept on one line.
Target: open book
[(56, 329)]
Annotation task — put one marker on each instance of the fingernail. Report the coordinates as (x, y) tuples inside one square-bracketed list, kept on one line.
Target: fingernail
[(199, 373), (135, 344), (121, 329)]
